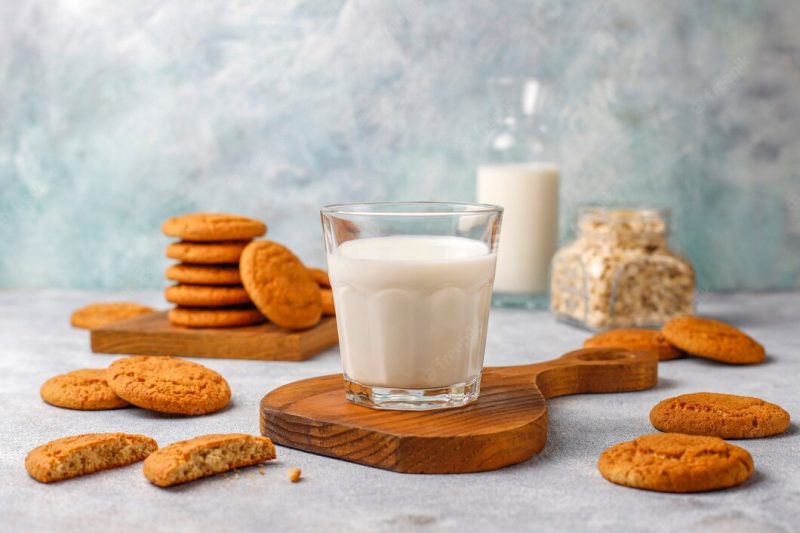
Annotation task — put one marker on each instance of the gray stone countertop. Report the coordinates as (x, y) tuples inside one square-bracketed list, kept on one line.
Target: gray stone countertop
[(558, 490)]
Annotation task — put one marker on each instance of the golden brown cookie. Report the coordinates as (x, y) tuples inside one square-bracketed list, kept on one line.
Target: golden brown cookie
[(280, 285), (207, 253), (719, 415), (328, 308), (205, 456), (85, 389), (713, 339), (206, 295), (646, 340), (216, 317), (200, 227), (169, 385), (83, 454), (100, 314), (320, 276), (673, 462), (204, 274)]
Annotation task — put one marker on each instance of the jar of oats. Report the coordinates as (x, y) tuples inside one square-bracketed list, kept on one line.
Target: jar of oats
[(620, 271)]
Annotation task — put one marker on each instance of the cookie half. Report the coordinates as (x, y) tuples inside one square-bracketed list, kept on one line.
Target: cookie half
[(168, 385), (647, 340), (205, 456), (216, 317), (84, 454), (720, 415), (206, 295), (204, 274), (280, 285), (207, 253), (100, 314), (674, 462), (714, 340), (213, 227), (85, 390)]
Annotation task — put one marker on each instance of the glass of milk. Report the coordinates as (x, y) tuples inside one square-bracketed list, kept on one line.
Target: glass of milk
[(412, 286), (520, 171)]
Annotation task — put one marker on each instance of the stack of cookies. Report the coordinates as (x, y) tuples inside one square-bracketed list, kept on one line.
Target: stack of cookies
[(209, 290), (226, 279)]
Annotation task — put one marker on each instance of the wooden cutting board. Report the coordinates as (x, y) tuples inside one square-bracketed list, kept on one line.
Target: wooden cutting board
[(505, 426), (153, 335)]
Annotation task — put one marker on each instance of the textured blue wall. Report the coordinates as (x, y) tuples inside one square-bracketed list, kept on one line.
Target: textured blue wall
[(115, 115)]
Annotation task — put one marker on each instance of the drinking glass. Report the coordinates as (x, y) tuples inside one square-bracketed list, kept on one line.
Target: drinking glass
[(412, 286)]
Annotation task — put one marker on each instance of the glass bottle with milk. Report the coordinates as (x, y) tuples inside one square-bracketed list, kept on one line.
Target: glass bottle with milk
[(520, 171)]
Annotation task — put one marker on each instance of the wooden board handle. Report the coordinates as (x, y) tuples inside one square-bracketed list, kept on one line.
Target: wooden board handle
[(590, 370)]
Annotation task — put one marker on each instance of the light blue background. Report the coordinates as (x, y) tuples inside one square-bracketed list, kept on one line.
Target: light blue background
[(115, 115)]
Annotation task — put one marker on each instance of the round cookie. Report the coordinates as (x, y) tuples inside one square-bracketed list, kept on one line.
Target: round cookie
[(222, 317), (100, 314), (169, 385), (201, 227), (280, 285), (206, 296), (85, 390), (646, 340), (713, 339), (320, 276), (207, 253), (720, 415), (328, 308), (204, 274), (673, 462)]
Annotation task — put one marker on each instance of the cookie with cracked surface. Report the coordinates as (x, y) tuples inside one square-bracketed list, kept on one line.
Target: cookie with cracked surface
[(215, 317), (188, 295), (713, 339), (207, 253), (204, 274), (77, 455), (100, 314), (320, 276), (84, 390), (280, 285), (328, 308), (727, 416), (200, 227), (205, 456), (647, 340), (674, 462), (168, 385)]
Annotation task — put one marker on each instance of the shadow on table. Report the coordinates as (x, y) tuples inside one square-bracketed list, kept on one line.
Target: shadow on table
[(154, 415)]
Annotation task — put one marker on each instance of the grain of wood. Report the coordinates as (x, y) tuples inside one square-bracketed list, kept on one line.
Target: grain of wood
[(505, 426), (154, 335)]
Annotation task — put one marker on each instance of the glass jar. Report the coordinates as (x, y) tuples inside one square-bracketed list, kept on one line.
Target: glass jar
[(620, 272), (520, 170)]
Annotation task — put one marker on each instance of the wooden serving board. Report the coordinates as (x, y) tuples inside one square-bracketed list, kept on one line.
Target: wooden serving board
[(505, 426), (153, 335)]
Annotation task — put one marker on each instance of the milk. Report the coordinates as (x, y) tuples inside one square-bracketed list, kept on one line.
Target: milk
[(412, 311), (529, 194)]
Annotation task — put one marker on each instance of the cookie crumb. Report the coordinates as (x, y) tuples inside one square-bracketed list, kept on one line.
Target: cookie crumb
[(262, 471), (294, 474)]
